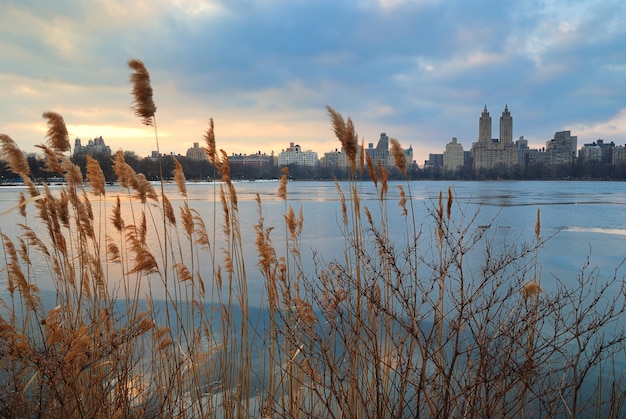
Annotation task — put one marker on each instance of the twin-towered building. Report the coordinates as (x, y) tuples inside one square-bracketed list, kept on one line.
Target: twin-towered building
[(502, 153), (490, 152)]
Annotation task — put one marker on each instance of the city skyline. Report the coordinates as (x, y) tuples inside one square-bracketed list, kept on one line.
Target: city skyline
[(484, 138), (264, 70)]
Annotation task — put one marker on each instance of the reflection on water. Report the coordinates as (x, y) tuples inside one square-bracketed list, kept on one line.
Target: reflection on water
[(588, 216)]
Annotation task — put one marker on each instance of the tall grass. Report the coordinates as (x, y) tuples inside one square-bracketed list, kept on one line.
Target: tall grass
[(407, 325)]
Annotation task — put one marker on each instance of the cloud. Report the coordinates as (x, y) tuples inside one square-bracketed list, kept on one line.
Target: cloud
[(611, 129), (264, 69)]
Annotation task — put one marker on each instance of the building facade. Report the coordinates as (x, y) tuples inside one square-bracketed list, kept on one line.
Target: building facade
[(257, 160), (295, 155), (95, 146), (195, 153), (562, 148), (619, 155), (381, 152), (491, 153), (454, 156)]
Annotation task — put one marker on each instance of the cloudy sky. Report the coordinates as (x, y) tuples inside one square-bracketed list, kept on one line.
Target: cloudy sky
[(419, 70)]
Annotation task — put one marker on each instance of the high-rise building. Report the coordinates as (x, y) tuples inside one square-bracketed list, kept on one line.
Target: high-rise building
[(590, 152), (484, 127), (619, 155), (562, 148), (490, 153), (434, 160), (95, 146), (598, 150), (295, 155), (522, 151), (506, 126), (381, 152), (196, 153), (454, 156)]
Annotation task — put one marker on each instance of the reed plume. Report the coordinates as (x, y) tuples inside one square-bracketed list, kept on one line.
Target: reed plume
[(210, 150), (282, 187), (538, 225), (345, 133), (143, 104), (96, 177), (399, 157), (144, 189), (58, 138), (126, 176), (371, 169), (179, 177), (402, 202), (13, 156), (531, 290)]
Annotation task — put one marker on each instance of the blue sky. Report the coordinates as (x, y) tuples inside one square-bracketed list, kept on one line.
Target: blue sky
[(419, 70)]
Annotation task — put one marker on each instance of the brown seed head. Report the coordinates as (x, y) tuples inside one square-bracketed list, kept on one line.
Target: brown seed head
[(399, 157), (538, 225), (371, 169), (143, 105), (402, 202), (345, 133), (179, 177), (58, 138), (531, 289), (13, 156), (282, 187), (210, 150), (95, 175)]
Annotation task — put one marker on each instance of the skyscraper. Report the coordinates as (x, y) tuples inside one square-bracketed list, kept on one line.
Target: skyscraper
[(506, 126), (484, 127), (490, 153), (453, 157)]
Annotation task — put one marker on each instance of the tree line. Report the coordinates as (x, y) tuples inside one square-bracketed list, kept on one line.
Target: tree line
[(202, 170)]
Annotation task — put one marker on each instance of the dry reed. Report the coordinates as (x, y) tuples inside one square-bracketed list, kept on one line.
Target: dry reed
[(362, 335), (143, 104)]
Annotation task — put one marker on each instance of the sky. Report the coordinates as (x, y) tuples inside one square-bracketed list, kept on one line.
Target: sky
[(264, 70)]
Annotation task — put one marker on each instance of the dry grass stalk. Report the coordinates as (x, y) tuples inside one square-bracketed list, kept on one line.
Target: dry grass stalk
[(168, 210), (399, 156), (371, 169), (345, 133), (402, 201), (143, 104), (11, 154), (364, 354), (95, 176), (342, 200), (224, 167), (449, 205), (144, 189), (58, 138), (282, 187), (383, 175), (531, 289), (179, 177), (125, 174), (538, 226), (210, 150), (116, 215)]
